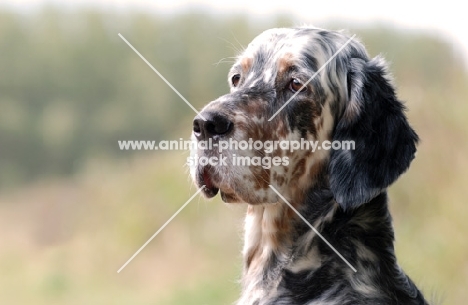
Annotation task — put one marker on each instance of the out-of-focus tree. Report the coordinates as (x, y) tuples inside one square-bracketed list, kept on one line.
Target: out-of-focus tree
[(70, 87)]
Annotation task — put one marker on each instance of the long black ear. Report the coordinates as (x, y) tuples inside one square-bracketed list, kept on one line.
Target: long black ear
[(385, 144)]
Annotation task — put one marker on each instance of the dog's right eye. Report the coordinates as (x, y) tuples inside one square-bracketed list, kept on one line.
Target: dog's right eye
[(296, 85), (235, 80)]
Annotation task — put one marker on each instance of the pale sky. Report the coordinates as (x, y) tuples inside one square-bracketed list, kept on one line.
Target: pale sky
[(446, 18)]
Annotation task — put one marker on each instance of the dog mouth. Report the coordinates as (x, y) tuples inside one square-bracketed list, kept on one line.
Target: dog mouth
[(205, 178), (209, 179)]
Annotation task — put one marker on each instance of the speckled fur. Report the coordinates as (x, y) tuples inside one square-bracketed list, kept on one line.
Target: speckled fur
[(342, 193)]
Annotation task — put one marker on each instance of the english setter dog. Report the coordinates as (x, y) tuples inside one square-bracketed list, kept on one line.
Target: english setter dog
[(342, 193)]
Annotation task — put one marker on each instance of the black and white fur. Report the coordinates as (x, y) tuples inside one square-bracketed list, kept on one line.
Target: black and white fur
[(341, 192)]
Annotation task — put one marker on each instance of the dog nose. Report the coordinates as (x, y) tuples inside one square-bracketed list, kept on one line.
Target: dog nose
[(215, 125)]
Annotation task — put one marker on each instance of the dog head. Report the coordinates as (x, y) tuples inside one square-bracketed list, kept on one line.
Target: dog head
[(296, 86)]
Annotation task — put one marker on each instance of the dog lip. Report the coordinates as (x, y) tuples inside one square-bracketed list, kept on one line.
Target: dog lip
[(210, 190), (207, 178), (229, 197)]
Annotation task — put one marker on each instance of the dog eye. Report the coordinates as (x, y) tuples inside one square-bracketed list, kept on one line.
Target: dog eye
[(296, 85), (235, 80)]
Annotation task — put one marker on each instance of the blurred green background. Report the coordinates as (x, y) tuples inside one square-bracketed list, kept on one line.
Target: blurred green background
[(74, 208)]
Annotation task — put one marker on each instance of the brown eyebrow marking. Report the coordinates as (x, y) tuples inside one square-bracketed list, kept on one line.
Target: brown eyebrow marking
[(285, 62), (246, 63)]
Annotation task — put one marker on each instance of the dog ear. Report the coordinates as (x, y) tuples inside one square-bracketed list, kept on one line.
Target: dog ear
[(385, 144)]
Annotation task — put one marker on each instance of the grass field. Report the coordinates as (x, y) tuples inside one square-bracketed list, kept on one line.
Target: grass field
[(63, 241)]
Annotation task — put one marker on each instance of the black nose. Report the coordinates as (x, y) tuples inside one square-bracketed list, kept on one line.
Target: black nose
[(215, 125)]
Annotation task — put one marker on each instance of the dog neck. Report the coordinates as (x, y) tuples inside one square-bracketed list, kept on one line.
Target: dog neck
[(282, 255), (273, 233)]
